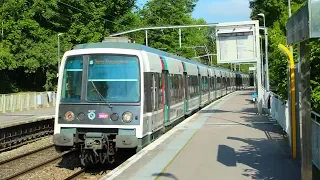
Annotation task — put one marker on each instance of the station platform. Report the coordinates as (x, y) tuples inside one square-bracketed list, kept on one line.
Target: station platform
[(22, 117), (227, 140)]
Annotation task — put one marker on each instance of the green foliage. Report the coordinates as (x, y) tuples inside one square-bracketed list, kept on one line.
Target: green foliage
[(276, 12), (29, 40), (28, 56)]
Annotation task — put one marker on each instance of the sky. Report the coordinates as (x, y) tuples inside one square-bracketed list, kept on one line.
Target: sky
[(217, 11)]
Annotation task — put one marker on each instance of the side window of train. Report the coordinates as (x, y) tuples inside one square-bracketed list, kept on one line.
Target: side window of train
[(161, 90), (171, 99), (147, 92), (152, 91)]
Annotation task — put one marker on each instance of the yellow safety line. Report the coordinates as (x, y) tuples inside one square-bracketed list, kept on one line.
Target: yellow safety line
[(293, 100)]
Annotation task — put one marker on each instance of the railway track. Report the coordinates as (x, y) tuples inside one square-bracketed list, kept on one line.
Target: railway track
[(76, 175), (14, 135), (46, 162), (21, 161), (25, 154), (90, 173)]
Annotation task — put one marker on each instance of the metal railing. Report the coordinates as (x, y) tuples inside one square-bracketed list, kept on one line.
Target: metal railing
[(279, 111), (315, 139), (26, 101)]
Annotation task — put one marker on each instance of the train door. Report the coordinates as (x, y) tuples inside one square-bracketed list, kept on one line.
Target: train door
[(215, 86), (226, 81), (186, 93), (208, 90), (161, 97), (153, 100), (199, 88), (166, 97)]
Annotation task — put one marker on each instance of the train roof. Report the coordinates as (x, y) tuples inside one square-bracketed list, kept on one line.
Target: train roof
[(135, 46)]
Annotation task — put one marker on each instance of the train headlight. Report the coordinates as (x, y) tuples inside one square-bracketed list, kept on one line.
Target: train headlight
[(114, 117), (127, 117), (69, 116)]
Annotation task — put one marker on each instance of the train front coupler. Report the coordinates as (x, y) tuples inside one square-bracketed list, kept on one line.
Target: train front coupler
[(97, 148)]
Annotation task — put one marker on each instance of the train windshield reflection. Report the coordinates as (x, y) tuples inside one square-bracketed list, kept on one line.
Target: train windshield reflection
[(116, 77)]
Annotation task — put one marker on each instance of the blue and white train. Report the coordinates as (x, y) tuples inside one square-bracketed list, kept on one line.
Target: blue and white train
[(115, 96)]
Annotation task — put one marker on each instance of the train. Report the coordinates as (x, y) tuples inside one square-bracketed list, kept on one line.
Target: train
[(115, 96)]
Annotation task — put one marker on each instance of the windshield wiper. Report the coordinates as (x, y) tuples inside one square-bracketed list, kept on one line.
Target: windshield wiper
[(100, 95)]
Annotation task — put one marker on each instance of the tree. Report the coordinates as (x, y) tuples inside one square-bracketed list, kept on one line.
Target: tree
[(30, 28), (276, 17)]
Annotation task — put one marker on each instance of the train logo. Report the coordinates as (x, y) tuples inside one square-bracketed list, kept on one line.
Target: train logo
[(103, 116), (91, 115)]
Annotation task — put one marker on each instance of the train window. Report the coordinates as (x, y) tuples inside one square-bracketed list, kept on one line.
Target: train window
[(204, 84), (161, 90), (153, 92), (72, 79), (113, 78), (176, 88), (146, 93)]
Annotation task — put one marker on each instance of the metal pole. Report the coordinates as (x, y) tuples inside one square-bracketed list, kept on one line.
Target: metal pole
[(305, 116), (289, 5), (146, 37), (262, 67), (289, 9), (267, 60), (207, 51), (2, 30), (58, 52), (180, 37), (1, 36)]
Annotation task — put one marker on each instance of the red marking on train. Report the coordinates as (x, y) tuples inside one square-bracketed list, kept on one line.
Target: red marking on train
[(182, 66), (162, 63)]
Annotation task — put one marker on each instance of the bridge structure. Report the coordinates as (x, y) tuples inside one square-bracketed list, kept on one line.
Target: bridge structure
[(235, 137)]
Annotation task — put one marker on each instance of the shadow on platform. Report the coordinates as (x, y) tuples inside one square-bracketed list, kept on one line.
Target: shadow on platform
[(214, 111), (168, 175), (267, 159)]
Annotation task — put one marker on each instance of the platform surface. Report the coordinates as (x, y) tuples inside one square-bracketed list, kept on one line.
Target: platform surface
[(226, 141), (6, 119)]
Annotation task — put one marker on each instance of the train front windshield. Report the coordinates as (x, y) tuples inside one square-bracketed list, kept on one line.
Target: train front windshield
[(109, 78)]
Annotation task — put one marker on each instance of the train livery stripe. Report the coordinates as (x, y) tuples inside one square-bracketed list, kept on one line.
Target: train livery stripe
[(184, 67), (163, 63)]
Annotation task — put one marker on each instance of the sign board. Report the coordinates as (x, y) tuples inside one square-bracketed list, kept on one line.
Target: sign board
[(304, 24), (237, 42), (252, 68)]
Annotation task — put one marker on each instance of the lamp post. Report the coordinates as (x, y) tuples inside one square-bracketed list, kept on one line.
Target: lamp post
[(266, 50), (59, 51)]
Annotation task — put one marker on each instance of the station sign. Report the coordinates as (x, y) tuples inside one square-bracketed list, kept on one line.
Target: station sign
[(304, 24), (237, 42)]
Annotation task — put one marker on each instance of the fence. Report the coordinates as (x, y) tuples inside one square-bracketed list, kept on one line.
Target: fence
[(315, 139), (279, 111), (26, 101)]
